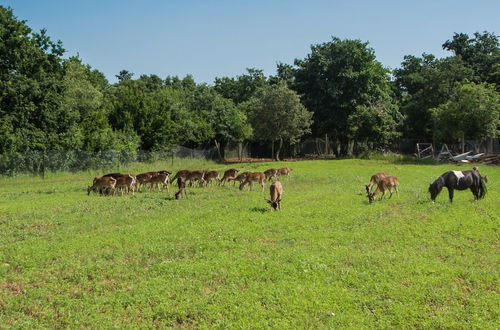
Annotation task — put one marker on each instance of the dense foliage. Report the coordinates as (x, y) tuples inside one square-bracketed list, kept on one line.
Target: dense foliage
[(49, 102)]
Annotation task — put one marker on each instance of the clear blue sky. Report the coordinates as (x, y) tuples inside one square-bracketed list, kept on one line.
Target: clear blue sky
[(213, 38)]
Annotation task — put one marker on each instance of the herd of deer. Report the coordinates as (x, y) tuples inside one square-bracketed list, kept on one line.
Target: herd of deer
[(118, 183), (114, 183)]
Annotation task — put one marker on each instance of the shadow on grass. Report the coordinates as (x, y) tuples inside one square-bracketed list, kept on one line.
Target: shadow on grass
[(260, 209)]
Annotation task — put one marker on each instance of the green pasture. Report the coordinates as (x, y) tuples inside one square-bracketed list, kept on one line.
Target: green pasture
[(222, 258)]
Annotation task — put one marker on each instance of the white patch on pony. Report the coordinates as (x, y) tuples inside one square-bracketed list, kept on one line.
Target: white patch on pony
[(458, 174)]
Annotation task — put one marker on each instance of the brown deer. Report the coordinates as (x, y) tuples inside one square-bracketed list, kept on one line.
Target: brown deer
[(284, 171), (374, 180), (103, 184), (194, 176), (387, 183), (125, 183), (211, 175), (181, 174), (276, 191), (182, 188), (158, 180), (143, 179), (229, 175), (271, 173), (240, 177), (254, 177)]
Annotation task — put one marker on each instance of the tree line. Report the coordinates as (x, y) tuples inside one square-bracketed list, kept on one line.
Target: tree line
[(49, 102)]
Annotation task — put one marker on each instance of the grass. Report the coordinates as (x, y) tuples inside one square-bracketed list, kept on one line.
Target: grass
[(222, 258)]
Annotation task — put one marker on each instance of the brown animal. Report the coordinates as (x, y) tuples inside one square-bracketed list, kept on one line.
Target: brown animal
[(158, 180), (387, 183), (374, 180), (284, 171), (181, 174), (194, 176), (125, 183), (211, 175), (241, 177), (182, 188), (271, 173), (229, 175), (103, 184), (254, 177), (143, 178), (276, 191)]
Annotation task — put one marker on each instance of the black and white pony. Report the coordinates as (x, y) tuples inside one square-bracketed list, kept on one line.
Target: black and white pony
[(459, 180)]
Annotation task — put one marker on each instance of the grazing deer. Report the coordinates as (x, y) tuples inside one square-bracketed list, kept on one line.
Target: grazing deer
[(276, 191), (229, 175), (181, 174), (182, 188), (209, 175), (143, 179), (240, 177), (387, 183), (254, 177), (271, 173), (102, 184), (158, 180), (285, 171), (374, 180), (194, 176), (126, 183)]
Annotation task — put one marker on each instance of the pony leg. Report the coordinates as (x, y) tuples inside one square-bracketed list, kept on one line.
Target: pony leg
[(450, 194)]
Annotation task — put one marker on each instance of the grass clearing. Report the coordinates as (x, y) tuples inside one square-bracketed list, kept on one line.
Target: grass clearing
[(223, 258)]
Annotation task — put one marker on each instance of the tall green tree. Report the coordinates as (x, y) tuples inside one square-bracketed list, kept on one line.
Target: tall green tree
[(277, 115), (424, 83), (472, 112), (335, 80), (31, 86), (481, 53), (241, 88)]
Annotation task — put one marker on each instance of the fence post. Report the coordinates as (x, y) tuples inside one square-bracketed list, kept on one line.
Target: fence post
[(43, 164)]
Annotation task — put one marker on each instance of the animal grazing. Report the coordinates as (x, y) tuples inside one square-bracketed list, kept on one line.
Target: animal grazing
[(229, 175), (158, 180), (194, 176), (241, 177), (276, 191), (125, 183), (102, 184), (460, 180), (271, 173), (143, 179), (181, 174), (181, 184), (254, 177), (211, 175), (284, 171), (374, 180), (386, 183)]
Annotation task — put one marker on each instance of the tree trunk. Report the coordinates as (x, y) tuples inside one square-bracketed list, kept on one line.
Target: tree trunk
[(344, 147), (220, 150), (272, 149), (280, 145)]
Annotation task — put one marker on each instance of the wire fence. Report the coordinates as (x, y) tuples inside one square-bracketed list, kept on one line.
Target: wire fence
[(40, 162)]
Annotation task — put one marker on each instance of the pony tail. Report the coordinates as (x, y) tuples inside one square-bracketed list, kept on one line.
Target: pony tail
[(482, 187)]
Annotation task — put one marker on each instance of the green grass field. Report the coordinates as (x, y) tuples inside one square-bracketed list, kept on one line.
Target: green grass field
[(223, 258)]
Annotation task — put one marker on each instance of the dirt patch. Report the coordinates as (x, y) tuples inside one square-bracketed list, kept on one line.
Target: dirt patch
[(13, 288)]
